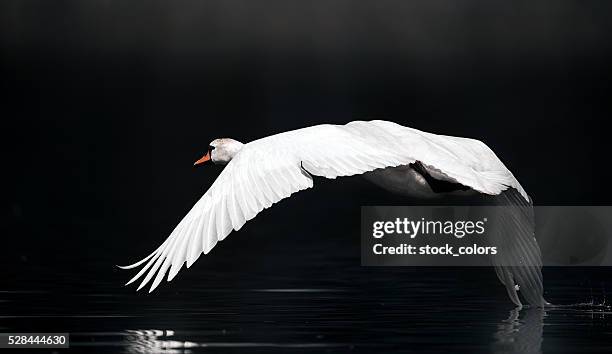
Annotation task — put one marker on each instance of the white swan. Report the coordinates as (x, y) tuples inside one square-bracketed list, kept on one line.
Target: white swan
[(403, 160)]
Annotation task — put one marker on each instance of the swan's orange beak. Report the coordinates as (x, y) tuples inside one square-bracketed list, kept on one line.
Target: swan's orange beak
[(204, 159)]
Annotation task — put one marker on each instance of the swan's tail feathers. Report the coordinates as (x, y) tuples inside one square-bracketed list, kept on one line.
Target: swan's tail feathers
[(518, 263)]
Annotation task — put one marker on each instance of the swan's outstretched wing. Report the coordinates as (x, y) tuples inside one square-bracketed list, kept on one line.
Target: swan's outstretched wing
[(471, 163), (251, 182), (268, 170)]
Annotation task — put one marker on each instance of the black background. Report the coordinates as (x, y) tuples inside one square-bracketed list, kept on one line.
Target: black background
[(106, 105)]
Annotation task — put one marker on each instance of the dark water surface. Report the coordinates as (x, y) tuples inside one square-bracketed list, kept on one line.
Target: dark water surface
[(334, 306)]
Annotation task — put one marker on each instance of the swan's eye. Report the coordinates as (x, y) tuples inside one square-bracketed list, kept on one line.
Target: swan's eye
[(211, 148)]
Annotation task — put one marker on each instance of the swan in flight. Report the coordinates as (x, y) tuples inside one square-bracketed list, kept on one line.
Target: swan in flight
[(400, 159)]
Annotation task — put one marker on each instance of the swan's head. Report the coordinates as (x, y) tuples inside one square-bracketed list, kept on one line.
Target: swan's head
[(221, 151)]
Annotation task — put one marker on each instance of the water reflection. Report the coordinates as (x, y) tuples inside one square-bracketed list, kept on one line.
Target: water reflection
[(355, 309), (163, 341), (521, 334), (155, 341)]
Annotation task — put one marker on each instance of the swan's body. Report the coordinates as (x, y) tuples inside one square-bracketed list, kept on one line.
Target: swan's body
[(400, 159)]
